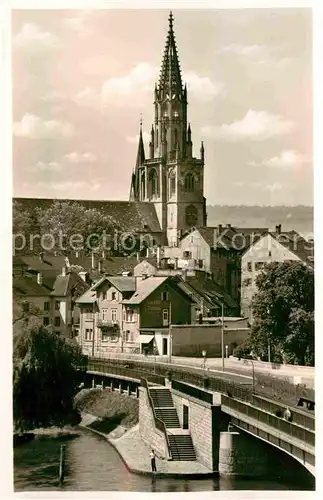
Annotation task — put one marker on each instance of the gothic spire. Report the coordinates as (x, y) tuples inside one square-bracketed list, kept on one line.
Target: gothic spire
[(170, 80), (141, 150)]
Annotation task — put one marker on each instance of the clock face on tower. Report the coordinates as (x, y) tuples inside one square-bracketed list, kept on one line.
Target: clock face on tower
[(191, 215)]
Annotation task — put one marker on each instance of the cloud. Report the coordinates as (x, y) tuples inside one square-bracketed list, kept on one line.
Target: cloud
[(68, 186), (202, 87), (41, 166), (288, 158), (87, 97), (135, 139), (75, 157), (273, 187), (79, 22), (54, 97), (142, 77), (257, 125), (34, 127), (249, 51), (31, 37)]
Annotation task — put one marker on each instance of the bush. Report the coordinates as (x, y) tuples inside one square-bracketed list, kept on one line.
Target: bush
[(242, 350)]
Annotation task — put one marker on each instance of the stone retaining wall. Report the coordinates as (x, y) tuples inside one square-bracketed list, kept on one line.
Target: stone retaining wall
[(148, 433)]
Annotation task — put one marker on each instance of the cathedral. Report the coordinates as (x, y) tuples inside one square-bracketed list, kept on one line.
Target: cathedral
[(169, 176)]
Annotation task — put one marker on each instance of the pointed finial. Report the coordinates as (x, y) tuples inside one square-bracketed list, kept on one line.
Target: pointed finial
[(170, 20), (140, 122)]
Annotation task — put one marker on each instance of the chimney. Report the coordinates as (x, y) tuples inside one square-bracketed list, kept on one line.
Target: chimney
[(176, 263), (83, 275), (93, 261), (220, 228), (158, 256), (147, 252), (39, 278), (103, 254), (138, 256), (99, 266), (278, 229), (64, 271), (41, 256), (228, 226), (77, 254)]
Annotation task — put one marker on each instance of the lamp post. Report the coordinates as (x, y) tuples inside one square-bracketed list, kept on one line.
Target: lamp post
[(170, 333), (253, 375), (222, 336), (226, 351), (204, 358), (93, 332)]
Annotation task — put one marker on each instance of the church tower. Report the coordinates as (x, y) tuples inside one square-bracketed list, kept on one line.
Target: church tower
[(171, 177)]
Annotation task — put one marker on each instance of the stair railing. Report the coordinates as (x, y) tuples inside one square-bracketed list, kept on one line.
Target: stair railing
[(159, 424), (175, 444)]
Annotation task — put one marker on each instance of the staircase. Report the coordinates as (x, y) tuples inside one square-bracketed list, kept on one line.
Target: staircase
[(169, 417), (181, 445)]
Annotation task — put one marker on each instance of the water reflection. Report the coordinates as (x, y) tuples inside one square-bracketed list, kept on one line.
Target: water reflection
[(93, 465)]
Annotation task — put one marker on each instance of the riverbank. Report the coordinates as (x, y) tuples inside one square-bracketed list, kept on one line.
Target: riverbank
[(126, 438)]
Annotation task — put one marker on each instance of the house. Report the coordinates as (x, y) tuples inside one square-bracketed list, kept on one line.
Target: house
[(275, 246), (51, 299), (132, 314), (215, 250)]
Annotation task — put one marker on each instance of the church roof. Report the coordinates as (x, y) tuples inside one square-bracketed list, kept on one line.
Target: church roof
[(131, 216)]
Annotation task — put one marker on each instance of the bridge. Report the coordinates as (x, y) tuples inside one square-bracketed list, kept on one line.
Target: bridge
[(247, 408)]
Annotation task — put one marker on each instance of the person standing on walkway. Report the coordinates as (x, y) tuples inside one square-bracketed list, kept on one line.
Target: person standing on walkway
[(153, 461)]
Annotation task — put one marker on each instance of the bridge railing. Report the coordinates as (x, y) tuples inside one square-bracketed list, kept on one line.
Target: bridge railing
[(195, 392), (159, 424), (278, 423), (98, 365)]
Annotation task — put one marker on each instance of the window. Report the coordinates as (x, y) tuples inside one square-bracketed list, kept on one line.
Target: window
[(189, 182), (46, 306), (57, 321), (259, 265), (247, 282), (128, 336), (88, 334), (191, 215), (108, 336), (172, 184), (130, 316), (46, 321), (114, 296), (200, 263), (187, 254), (104, 295), (114, 315), (249, 266), (153, 181), (165, 317), (57, 304), (164, 296), (104, 314)]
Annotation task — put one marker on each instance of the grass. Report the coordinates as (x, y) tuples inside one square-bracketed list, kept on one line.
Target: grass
[(282, 389), (113, 408)]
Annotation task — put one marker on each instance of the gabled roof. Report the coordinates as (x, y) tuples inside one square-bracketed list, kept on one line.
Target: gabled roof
[(71, 283), (212, 291), (89, 297), (230, 238), (28, 286), (121, 283), (145, 288), (131, 216)]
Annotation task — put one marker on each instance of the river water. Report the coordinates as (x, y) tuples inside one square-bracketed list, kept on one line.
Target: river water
[(92, 464)]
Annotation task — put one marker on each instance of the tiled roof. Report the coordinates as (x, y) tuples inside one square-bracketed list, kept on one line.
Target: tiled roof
[(212, 291), (122, 283), (28, 286), (89, 297), (131, 216), (145, 287), (296, 244), (231, 238), (64, 285)]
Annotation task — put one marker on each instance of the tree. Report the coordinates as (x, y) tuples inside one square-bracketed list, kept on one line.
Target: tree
[(45, 378), (284, 313)]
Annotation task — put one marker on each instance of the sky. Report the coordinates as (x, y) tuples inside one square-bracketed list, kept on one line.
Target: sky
[(81, 79)]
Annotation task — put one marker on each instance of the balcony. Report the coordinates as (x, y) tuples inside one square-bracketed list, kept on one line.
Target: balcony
[(108, 324)]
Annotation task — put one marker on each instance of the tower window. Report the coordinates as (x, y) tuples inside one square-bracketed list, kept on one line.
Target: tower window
[(143, 186), (172, 184), (191, 215), (153, 180), (189, 182)]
